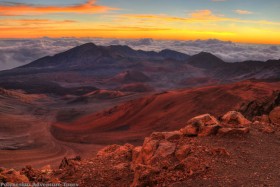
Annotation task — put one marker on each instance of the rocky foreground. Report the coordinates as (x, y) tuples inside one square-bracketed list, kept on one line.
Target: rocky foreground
[(231, 150)]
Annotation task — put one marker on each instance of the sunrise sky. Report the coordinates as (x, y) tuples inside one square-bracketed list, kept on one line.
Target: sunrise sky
[(248, 21)]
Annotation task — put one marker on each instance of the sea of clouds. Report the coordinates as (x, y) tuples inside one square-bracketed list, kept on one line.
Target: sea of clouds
[(17, 52)]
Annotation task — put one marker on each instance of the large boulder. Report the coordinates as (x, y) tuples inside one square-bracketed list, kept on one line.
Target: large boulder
[(209, 130), (165, 154), (205, 120), (173, 135), (165, 148), (12, 176), (190, 130), (153, 150), (274, 115), (203, 125), (148, 150), (155, 154), (234, 119)]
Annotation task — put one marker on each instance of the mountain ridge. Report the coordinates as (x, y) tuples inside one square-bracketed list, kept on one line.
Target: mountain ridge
[(113, 51), (95, 66)]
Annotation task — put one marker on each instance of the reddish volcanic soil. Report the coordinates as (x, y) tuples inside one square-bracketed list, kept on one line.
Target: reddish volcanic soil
[(136, 87), (41, 130), (25, 121), (230, 151), (25, 136), (131, 121)]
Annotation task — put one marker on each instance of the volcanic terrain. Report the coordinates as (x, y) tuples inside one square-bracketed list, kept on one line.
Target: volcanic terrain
[(114, 116)]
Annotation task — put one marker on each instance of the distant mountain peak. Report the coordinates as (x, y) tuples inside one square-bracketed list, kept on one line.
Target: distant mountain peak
[(120, 47), (171, 54), (168, 50), (124, 50), (86, 46), (89, 44), (206, 54), (205, 60)]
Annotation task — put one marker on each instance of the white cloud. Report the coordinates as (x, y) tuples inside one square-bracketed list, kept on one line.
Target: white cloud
[(243, 11), (14, 53)]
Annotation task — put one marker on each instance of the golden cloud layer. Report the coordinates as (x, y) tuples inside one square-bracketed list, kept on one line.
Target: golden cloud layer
[(199, 24)]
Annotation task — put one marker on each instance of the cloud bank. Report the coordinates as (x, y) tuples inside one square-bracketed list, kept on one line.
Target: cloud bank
[(15, 53)]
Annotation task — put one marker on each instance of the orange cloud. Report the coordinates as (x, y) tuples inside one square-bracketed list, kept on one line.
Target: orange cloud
[(206, 15), (198, 16), (43, 21), (33, 22), (90, 7)]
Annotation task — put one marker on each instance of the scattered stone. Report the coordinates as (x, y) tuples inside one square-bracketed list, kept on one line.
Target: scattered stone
[(77, 158), (226, 131), (64, 163), (264, 127), (116, 152), (263, 119), (143, 176), (220, 151), (194, 164), (121, 166)]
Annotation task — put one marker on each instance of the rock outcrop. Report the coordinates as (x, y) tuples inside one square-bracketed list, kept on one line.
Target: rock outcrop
[(160, 158), (163, 153), (165, 158), (203, 125), (12, 176)]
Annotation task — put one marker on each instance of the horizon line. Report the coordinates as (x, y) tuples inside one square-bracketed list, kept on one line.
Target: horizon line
[(156, 39)]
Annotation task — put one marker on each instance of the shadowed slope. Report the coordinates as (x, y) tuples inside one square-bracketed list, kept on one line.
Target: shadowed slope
[(131, 121)]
